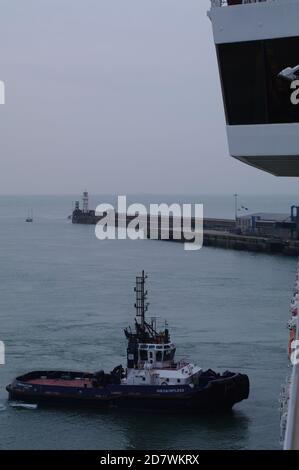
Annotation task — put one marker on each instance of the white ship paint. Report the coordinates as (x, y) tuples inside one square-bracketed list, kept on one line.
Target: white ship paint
[(270, 146)]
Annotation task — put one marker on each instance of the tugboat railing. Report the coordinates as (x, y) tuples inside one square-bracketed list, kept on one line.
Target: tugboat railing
[(178, 365)]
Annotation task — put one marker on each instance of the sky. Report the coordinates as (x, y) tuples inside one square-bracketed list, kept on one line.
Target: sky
[(117, 97)]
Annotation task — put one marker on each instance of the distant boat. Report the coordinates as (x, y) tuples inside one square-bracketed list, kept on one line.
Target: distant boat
[(30, 216)]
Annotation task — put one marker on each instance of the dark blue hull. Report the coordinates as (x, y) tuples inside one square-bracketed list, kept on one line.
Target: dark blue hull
[(217, 393)]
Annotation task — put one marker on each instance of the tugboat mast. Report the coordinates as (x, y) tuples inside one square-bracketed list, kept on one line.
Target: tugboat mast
[(141, 305)]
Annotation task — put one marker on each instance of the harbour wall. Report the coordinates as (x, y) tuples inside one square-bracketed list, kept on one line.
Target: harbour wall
[(219, 233)]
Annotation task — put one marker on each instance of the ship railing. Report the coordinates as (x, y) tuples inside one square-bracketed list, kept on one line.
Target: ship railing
[(176, 366), (181, 363), (224, 3)]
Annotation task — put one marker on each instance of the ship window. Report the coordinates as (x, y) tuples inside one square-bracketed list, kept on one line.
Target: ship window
[(253, 92), (143, 355), (179, 381), (243, 82), (280, 54), (159, 356), (169, 355)]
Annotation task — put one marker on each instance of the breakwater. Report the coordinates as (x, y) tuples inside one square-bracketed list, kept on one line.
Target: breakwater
[(219, 233), (250, 243)]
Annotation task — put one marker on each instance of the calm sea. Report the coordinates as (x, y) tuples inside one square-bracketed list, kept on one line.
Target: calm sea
[(65, 298)]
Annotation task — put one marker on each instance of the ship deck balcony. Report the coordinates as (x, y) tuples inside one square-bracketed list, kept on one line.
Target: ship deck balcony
[(226, 3)]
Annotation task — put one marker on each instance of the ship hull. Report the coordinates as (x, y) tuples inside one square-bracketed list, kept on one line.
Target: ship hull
[(211, 395)]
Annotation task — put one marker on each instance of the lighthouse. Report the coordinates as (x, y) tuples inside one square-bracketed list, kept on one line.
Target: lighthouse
[(85, 202)]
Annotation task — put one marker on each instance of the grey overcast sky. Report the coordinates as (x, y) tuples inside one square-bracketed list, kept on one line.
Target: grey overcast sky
[(117, 96)]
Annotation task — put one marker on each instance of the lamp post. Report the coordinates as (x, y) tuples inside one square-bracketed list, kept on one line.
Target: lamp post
[(236, 207)]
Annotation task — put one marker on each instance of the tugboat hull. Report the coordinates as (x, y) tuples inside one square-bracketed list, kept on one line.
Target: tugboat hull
[(210, 394)]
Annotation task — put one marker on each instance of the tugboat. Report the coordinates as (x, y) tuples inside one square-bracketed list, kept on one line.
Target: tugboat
[(152, 379)]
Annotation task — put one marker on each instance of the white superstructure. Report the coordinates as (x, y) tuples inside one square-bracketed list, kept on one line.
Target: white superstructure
[(257, 44), (156, 366)]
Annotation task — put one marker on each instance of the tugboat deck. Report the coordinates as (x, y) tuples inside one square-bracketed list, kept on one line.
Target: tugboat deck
[(84, 383)]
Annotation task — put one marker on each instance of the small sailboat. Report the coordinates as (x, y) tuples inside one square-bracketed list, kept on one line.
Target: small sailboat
[(30, 216)]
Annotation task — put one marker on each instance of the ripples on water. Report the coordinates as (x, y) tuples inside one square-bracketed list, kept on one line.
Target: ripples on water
[(65, 298)]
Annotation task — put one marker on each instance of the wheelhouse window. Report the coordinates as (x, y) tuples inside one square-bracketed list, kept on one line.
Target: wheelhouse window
[(169, 355), (159, 356), (143, 355), (253, 89)]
